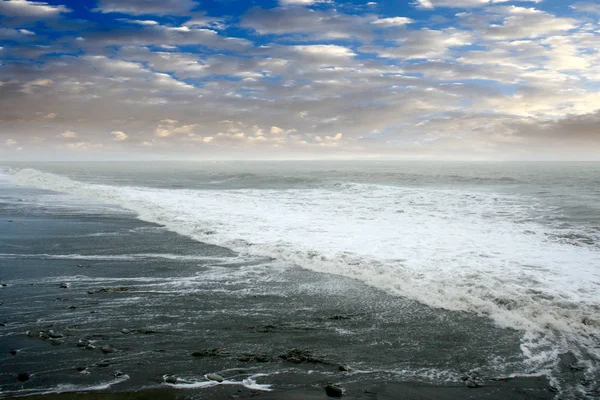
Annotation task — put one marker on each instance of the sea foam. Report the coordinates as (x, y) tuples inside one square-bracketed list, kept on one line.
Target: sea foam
[(479, 252)]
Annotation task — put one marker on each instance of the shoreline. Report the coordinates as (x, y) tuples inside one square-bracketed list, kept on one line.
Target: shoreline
[(518, 388)]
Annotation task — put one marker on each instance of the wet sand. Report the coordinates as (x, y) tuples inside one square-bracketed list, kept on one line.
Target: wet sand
[(528, 388)]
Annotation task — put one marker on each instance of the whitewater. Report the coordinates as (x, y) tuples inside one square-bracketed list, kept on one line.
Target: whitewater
[(503, 255)]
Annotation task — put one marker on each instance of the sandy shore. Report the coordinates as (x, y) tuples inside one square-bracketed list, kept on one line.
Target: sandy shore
[(534, 388)]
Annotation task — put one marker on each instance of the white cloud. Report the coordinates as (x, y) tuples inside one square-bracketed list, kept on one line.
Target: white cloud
[(430, 4), (10, 142), (328, 50), (120, 136), (276, 130), (68, 134), (394, 21), (31, 9)]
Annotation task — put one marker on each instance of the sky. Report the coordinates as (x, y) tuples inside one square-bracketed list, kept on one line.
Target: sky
[(299, 79)]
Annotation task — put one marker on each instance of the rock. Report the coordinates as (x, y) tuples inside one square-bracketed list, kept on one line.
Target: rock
[(299, 356), (214, 377), (334, 391), (13, 352), (125, 331), (3, 284), (55, 335), (44, 335), (72, 307), (83, 343), (118, 374), (261, 358), (210, 352), (81, 369), (470, 383), (103, 363), (23, 377), (64, 285), (339, 317), (33, 333), (90, 346), (344, 368), (56, 342), (107, 349), (171, 379)]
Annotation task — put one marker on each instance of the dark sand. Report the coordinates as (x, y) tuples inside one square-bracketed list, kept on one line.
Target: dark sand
[(535, 388)]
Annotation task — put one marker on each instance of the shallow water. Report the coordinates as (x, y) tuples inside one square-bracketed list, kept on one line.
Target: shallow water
[(405, 271)]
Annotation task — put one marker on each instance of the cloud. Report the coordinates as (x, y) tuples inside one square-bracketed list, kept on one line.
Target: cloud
[(317, 24), (30, 9), (424, 43), (146, 7), (524, 23), (10, 142), (394, 21), (68, 134), (430, 4), (170, 127), (276, 130), (593, 8), (119, 136)]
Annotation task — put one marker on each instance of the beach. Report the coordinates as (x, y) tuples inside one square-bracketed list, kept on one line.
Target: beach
[(101, 302)]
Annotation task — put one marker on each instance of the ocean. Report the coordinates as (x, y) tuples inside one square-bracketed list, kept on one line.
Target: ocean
[(130, 275)]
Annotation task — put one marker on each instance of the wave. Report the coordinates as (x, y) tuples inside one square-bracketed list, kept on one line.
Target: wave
[(457, 250)]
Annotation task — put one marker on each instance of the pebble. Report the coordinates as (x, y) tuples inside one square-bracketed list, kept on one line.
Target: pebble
[(214, 377), (23, 377), (334, 391)]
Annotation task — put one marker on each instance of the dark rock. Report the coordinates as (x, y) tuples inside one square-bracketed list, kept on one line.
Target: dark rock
[(214, 377), (340, 317), (299, 356), (13, 352), (107, 349), (81, 369), (171, 379), (125, 331), (90, 346), (56, 342), (23, 377), (261, 358), (73, 307), (3, 284), (118, 374), (83, 343), (334, 391), (344, 368), (146, 331), (210, 352), (44, 335), (103, 363), (55, 335), (470, 383), (64, 285)]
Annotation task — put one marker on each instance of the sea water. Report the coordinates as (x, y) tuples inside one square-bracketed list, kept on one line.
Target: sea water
[(507, 253)]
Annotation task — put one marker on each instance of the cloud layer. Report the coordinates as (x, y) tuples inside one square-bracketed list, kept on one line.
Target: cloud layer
[(469, 79)]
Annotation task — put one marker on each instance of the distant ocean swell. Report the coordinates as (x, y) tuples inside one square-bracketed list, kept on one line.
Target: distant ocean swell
[(471, 251)]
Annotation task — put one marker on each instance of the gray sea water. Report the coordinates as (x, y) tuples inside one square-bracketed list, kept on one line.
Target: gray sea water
[(405, 271)]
